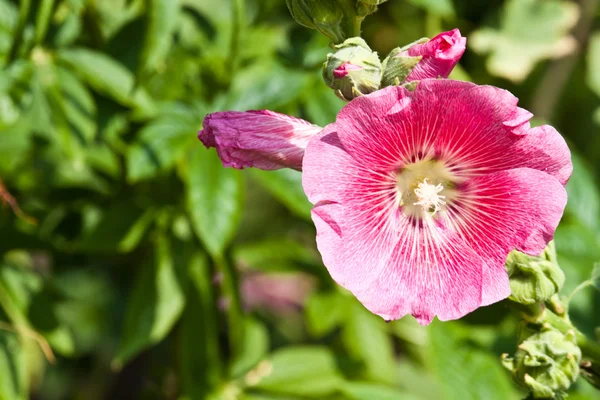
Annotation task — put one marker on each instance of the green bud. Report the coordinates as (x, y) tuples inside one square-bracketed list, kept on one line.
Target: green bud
[(326, 16), (546, 363), (534, 279), (397, 67), (353, 70)]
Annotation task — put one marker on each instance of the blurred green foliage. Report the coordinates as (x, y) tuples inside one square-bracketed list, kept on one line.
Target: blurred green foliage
[(151, 272)]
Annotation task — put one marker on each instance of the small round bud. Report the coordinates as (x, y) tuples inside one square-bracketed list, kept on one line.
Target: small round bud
[(533, 279), (353, 70), (546, 363)]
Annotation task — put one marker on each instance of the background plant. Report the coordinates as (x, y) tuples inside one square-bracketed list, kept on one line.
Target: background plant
[(135, 266)]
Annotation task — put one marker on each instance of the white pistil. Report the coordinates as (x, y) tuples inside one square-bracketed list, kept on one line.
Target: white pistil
[(429, 197)]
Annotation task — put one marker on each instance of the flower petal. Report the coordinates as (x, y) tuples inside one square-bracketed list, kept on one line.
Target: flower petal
[(498, 212), (440, 55), (351, 206), (262, 139)]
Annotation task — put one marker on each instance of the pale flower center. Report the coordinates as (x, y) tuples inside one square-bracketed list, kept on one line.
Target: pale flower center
[(424, 188), (429, 196)]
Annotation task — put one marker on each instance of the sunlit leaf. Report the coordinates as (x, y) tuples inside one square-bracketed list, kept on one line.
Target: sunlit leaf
[(214, 198), (289, 371), (530, 31)]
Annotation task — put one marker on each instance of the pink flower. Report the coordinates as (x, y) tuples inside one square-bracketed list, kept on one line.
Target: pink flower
[(261, 139), (419, 197), (440, 55)]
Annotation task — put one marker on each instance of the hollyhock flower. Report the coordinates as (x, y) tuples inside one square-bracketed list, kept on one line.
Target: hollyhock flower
[(440, 55), (420, 196), (262, 139)]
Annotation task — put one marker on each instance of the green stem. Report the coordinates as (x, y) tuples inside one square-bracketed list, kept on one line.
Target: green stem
[(235, 320), (581, 286), (589, 348)]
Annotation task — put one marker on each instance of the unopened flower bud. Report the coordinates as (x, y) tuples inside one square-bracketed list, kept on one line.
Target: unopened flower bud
[(533, 279), (324, 16), (424, 59), (353, 70), (546, 363)]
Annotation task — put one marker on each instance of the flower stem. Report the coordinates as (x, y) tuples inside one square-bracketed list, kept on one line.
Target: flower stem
[(589, 348)]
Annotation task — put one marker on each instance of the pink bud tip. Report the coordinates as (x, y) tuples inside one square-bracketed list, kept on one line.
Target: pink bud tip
[(343, 70)]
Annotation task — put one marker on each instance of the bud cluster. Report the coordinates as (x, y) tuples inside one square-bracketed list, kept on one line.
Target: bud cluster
[(354, 69), (546, 362)]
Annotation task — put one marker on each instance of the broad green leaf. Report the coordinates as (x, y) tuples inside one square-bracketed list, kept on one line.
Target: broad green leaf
[(159, 146), (101, 72), (254, 348), (215, 199), (443, 8), (530, 31), (364, 391), (106, 76), (162, 22), (466, 373), (286, 186), (324, 312), (584, 196), (13, 380), (199, 359), (156, 303), (366, 339), (301, 371)]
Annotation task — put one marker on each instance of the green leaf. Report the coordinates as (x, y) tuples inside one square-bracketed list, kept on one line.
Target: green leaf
[(464, 372), (530, 31), (215, 199), (584, 196), (366, 339), (324, 312), (159, 146), (363, 391), (162, 22), (286, 186), (42, 20), (13, 380), (254, 348), (302, 371), (105, 75), (101, 72), (156, 303)]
